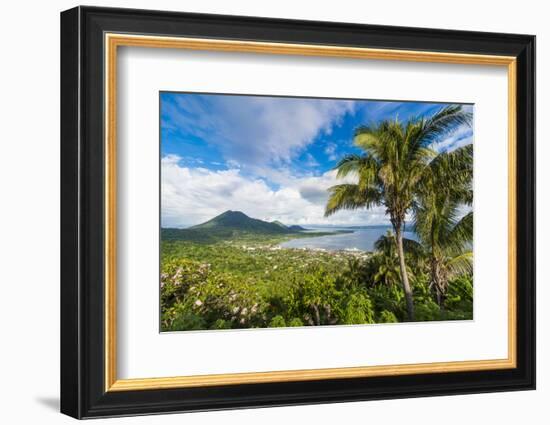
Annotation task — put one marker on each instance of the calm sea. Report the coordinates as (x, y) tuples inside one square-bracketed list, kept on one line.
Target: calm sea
[(361, 239)]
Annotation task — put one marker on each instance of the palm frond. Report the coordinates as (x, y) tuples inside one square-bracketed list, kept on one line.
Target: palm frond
[(366, 138), (444, 121), (354, 164), (461, 234), (410, 246), (460, 264), (457, 164), (385, 243), (351, 197)]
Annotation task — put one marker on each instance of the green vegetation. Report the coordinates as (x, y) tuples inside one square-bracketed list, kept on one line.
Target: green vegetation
[(252, 282)]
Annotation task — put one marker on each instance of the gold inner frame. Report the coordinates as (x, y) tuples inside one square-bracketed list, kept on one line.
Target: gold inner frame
[(113, 41)]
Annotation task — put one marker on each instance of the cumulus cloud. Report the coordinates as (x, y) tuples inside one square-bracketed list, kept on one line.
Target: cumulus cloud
[(194, 195), (253, 130)]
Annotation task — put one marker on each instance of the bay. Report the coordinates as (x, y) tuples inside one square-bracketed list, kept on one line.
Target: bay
[(361, 239)]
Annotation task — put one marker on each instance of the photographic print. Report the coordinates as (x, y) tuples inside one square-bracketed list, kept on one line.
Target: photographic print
[(293, 211)]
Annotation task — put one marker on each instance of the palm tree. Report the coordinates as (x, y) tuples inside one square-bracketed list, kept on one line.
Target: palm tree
[(386, 260), (446, 187), (395, 159), (387, 264)]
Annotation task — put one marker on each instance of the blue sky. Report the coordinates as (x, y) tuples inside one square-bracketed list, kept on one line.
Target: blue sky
[(270, 157)]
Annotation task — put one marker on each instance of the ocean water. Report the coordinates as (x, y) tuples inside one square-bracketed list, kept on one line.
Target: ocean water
[(362, 239)]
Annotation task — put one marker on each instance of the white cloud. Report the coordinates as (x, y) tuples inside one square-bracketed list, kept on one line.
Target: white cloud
[(459, 137), (330, 151), (311, 161), (194, 195), (256, 131)]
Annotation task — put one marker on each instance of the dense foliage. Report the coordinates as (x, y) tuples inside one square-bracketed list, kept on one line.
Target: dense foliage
[(247, 284)]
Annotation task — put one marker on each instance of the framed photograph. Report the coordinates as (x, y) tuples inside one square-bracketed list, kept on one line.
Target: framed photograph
[(261, 212)]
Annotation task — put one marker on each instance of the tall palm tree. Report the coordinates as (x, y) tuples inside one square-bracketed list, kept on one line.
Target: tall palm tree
[(447, 237), (395, 160)]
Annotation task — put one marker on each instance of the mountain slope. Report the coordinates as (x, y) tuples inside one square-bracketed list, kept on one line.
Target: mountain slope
[(226, 226), (278, 223), (239, 221)]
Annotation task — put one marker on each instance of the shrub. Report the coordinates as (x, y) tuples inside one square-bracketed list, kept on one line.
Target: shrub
[(315, 298), (387, 317), (277, 322), (427, 310), (295, 322), (191, 291), (460, 293), (187, 322), (221, 324), (358, 309)]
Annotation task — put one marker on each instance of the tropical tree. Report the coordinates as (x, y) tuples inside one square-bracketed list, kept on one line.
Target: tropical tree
[(439, 219), (386, 260), (395, 159)]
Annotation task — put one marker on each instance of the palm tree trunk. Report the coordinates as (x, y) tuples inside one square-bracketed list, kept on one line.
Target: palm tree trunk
[(404, 276), (436, 280), (317, 317)]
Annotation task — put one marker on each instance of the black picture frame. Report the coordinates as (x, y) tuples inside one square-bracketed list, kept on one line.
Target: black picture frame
[(83, 392)]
